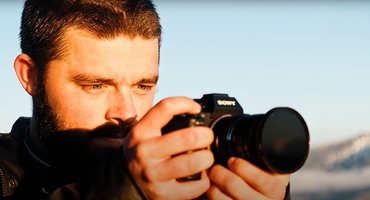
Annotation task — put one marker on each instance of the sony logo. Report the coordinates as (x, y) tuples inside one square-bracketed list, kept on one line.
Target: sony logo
[(226, 103)]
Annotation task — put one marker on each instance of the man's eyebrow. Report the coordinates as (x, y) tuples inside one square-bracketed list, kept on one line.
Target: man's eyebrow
[(149, 80), (89, 78)]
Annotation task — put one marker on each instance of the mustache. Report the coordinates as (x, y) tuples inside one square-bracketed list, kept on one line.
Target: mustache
[(112, 130), (73, 144), (107, 130)]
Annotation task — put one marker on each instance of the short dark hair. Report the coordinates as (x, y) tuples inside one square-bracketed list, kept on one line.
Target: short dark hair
[(44, 23)]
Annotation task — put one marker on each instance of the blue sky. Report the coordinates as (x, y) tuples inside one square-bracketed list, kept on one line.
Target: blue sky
[(313, 56)]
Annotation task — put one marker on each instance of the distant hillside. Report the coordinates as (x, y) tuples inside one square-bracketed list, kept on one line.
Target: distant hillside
[(339, 171), (351, 154), (359, 194)]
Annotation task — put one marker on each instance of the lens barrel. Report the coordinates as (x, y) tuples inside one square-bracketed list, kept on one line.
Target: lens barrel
[(277, 141)]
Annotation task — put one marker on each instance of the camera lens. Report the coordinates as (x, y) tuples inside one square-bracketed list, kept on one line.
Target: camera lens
[(277, 141)]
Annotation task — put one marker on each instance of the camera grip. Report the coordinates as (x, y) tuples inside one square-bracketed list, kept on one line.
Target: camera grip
[(185, 121)]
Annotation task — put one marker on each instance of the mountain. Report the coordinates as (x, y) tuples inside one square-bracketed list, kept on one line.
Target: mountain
[(354, 194), (351, 154), (339, 171)]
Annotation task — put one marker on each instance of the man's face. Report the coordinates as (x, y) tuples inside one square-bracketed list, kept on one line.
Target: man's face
[(101, 87)]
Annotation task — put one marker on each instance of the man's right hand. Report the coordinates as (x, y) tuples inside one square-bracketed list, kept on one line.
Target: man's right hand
[(148, 153)]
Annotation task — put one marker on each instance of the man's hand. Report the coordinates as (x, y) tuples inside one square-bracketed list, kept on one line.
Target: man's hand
[(148, 153), (245, 181)]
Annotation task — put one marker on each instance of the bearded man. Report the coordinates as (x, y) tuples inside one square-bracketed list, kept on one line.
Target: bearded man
[(91, 67)]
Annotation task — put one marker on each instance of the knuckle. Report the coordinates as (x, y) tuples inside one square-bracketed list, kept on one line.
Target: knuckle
[(191, 138), (197, 136), (165, 104), (262, 182), (141, 152), (231, 183), (188, 164), (198, 161), (135, 132)]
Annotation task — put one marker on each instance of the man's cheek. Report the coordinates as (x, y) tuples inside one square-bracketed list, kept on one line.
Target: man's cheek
[(143, 109)]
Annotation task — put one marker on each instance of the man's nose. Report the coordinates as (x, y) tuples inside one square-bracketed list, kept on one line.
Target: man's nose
[(121, 108)]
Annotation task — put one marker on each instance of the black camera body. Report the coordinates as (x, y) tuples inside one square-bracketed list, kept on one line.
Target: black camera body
[(213, 107), (277, 141)]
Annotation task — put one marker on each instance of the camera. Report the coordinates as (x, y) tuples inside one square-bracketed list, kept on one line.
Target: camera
[(277, 141)]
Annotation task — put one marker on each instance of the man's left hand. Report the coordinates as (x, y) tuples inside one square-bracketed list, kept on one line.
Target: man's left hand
[(244, 181)]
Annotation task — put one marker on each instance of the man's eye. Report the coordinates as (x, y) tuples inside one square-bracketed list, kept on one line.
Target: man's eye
[(93, 88), (144, 87), (97, 87)]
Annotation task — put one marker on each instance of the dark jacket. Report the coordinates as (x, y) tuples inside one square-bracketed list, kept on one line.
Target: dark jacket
[(24, 178)]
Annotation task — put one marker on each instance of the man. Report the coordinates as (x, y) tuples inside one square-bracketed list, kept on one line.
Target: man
[(91, 67)]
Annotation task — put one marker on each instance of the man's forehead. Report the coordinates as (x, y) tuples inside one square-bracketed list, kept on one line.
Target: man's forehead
[(119, 58), (78, 32), (75, 37), (79, 41)]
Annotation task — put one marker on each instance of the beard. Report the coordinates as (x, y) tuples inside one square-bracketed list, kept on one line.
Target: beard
[(74, 148)]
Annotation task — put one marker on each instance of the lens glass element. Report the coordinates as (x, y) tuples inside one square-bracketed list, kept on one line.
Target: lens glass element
[(284, 140)]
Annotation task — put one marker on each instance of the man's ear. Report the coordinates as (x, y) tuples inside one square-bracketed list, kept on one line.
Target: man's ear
[(26, 73)]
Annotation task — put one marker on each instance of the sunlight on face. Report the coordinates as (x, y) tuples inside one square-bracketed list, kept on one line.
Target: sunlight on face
[(102, 81)]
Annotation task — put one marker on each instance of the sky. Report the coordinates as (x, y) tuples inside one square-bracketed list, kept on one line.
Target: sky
[(312, 56)]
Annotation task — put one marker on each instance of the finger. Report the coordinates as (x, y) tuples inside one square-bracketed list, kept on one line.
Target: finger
[(284, 178), (214, 193), (162, 113), (182, 166), (231, 184), (194, 189), (265, 183), (182, 190), (179, 141)]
